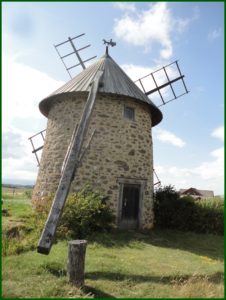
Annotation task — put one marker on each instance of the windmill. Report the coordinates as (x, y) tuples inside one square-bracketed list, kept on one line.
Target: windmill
[(99, 130)]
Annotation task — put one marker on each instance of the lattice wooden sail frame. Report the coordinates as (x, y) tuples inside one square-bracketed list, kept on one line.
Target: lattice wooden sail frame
[(157, 181), (35, 150), (169, 82), (75, 51)]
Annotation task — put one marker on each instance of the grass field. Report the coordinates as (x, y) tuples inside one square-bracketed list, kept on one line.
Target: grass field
[(161, 264), (17, 204)]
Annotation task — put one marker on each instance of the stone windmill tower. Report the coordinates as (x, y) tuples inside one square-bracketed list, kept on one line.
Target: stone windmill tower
[(116, 154)]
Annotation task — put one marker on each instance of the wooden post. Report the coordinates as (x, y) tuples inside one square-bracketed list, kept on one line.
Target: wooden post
[(76, 262), (70, 167)]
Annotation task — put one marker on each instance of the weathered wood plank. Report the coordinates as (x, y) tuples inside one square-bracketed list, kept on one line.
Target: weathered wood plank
[(76, 262), (71, 143), (69, 170)]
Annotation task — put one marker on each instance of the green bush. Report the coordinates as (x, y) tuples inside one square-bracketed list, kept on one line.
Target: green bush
[(170, 211), (208, 216), (188, 214), (85, 212)]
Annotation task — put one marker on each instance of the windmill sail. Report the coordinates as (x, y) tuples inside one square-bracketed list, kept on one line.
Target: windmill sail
[(41, 136), (158, 182), (165, 84), (75, 51)]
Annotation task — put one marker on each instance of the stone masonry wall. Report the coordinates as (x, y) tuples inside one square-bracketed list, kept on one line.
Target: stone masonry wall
[(119, 148)]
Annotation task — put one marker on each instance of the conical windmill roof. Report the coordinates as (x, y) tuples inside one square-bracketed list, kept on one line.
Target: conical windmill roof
[(114, 81)]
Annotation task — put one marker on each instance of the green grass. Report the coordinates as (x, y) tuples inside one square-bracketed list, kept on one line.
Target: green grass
[(17, 208), (159, 264), (16, 201), (18, 211), (15, 225)]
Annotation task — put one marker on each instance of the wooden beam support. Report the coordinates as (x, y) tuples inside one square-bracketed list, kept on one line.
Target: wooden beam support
[(70, 168)]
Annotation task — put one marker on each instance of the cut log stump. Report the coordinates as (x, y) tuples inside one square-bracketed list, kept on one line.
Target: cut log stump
[(76, 262)]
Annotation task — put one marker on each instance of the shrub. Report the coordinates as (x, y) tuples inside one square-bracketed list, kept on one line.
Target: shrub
[(170, 211), (208, 216), (187, 214), (85, 212)]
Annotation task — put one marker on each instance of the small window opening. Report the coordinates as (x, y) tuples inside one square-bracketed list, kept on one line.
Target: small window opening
[(129, 113)]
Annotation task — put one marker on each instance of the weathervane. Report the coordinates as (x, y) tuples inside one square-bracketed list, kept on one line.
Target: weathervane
[(110, 43)]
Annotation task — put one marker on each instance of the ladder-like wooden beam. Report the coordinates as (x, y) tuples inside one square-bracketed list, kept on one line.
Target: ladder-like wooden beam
[(69, 170)]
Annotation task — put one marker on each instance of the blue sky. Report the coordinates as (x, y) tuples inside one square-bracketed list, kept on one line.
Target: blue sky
[(188, 143)]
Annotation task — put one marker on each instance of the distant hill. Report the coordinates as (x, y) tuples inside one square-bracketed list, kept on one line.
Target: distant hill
[(18, 186)]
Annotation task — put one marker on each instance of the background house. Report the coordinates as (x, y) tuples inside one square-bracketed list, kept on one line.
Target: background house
[(198, 194)]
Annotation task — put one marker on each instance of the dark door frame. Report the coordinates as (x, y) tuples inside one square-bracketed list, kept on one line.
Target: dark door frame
[(142, 183)]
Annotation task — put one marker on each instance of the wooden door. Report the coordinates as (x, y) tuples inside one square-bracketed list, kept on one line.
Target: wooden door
[(130, 206)]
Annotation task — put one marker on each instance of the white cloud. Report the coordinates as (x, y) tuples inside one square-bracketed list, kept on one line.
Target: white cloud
[(23, 88), (207, 175), (219, 133), (152, 26), (13, 145), (218, 153), (168, 137), (214, 34), (125, 6), (212, 169), (19, 170), (182, 24), (135, 71), (19, 164)]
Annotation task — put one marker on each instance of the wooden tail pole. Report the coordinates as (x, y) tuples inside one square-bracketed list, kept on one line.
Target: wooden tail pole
[(69, 170)]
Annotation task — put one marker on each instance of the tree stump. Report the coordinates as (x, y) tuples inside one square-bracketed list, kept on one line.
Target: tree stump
[(76, 262)]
